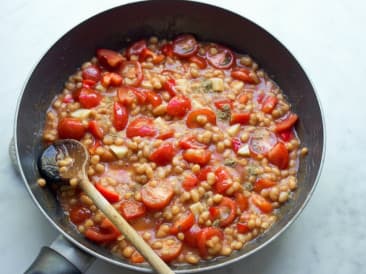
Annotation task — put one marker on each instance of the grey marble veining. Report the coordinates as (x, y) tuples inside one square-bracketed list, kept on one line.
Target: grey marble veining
[(328, 39)]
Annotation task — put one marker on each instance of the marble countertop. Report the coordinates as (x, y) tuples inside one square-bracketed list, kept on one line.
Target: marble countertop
[(328, 39)]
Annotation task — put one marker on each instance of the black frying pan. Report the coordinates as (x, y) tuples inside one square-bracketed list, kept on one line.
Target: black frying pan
[(165, 19)]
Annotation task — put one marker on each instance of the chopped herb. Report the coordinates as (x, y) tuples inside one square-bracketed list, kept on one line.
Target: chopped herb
[(224, 113), (248, 186), (252, 170), (216, 223), (206, 86), (230, 162)]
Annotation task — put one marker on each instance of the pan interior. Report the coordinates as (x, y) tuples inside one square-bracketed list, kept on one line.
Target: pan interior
[(165, 19)]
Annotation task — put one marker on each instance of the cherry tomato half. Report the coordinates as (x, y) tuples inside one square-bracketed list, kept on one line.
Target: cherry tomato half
[(206, 234), (163, 155), (110, 195), (71, 128), (157, 197), (109, 58), (225, 211), (244, 75), (287, 123), (222, 59), (131, 72), (184, 223), (178, 106), (132, 209), (190, 182), (91, 73), (136, 48), (261, 141), (120, 116), (107, 232), (79, 214), (193, 122), (171, 248), (262, 203), (141, 126), (185, 45), (263, 183), (197, 156), (279, 156), (89, 98)]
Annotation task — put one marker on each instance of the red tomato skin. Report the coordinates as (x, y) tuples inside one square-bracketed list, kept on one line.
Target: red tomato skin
[(241, 201), (141, 126), (287, 123), (158, 197), (91, 73), (269, 104), (180, 44), (279, 156), (89, 98), (178, 106), (235, 144), (287, 135), (197, 156), (169, 86), (138, 71), (110, 195), (199, 61), (191, 236), (71, 128), (190, 182), (126, 95), (192, 116), (220, 104), (106, 233), (167, 49), (261, 203), (190, 142), (202, 174), (153, 98), (183, 223), (206, 234), (229, 203), (120, 116), (163, 155), (132, 209), (240, 118), (109, 58), (222, 54), (263, 183), (136, 48), (223, 180), (95, 129), (243, 75), (79, 214)]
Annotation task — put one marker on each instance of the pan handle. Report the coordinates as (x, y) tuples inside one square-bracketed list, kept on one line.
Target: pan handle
[(50, 260)]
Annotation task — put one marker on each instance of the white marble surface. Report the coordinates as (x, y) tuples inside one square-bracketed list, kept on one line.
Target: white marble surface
[(327, 37)]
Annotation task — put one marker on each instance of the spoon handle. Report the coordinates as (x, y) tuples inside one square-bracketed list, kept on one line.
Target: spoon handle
[(124, 227)]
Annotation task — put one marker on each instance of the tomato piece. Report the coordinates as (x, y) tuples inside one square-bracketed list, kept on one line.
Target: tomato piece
[(111, 79), (153, 98), (224, 103), (199, 61), (225, 212), (178, 106), (193, 115), (136, 48), (202, 174), (91, 73), (110, 195), (169, 86), (241, 201), (89, 98), (141, 126), (184, 223), (262, 203), (140, 95), (243, 98), (185, 45), (167, 49), (132, 209), (156, 58), (239, 118), (287, 135), (163, 155), (261, 141), (107, 232), (287, 123), (95, 129), (97, 143), (269, 104), (206, 234), (131, 72), (262, 184), (88, 83), (157, 197), (171, 249), (79, 214), (71, 128), (279, 156), (190, 142), (109, 58), (191, 236), (120, 116), (126, 95), (137, 258), (223, 180), (235, 144), (68, 99), (166, 135), (197, 156), (190, 182), (223, 59), (242, 227), (243, 74)]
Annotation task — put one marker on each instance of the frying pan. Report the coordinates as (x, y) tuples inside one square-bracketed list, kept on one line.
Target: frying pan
[(114, 29)]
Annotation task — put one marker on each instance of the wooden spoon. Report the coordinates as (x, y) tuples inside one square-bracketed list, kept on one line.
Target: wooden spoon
[(73, 149)]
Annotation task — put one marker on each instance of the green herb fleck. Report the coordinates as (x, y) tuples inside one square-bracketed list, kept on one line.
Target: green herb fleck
[(216, 223), (224, 113), (248, 186)]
